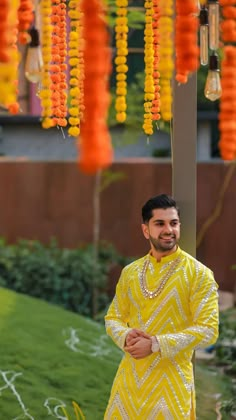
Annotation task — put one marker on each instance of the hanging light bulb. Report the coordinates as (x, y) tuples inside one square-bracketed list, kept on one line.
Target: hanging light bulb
[(34, 60), (213, 7), (213, 86), (204, 33)]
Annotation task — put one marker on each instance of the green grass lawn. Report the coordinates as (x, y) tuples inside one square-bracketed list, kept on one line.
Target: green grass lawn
[(50, 357)]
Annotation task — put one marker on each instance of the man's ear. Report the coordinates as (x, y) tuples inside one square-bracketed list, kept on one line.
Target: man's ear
[(145, 230)]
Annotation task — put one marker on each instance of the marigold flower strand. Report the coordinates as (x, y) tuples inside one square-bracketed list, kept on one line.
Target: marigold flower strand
[(75, 71), (63, 66), (149, 88), (166, 64), (227, 106), (156, 75), (121, 29), (9, 57), (46, 39), (95, 147), (186, 39), (4, 31), (25, 19), (58, 66)]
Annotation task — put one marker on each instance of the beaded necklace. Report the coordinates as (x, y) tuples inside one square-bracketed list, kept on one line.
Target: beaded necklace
[(147, 293)]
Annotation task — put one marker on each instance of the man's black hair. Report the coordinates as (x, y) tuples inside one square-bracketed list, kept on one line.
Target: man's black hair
[(162, 201)]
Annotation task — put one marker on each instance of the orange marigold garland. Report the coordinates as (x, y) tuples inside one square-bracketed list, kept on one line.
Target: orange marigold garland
[(75, 58), (227, 114), (46, 39), (58, 66), (186, 39), (166, 64), (156, 75), (12, 104), (25, 18), (95, 143), (121, 29), (62, 121), (4, 31), (9, 56)]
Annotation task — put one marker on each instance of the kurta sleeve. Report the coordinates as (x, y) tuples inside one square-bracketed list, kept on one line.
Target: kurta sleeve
[(203, 328), (116, 320)]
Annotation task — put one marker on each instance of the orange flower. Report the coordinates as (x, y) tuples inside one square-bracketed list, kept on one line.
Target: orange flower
[(95, 143), (58, 64), (186, 39), (25, 18)]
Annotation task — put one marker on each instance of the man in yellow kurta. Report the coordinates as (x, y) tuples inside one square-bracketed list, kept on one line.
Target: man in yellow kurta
[(165, 307)]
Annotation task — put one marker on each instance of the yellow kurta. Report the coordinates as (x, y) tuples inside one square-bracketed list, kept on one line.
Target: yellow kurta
[(183, 317)]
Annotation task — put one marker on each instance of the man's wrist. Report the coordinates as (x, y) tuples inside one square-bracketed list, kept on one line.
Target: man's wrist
[(155, 345)]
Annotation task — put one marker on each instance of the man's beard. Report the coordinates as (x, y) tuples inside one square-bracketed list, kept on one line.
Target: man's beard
[(162, 246)]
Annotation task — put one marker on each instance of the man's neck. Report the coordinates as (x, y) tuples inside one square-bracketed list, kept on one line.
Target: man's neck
[(158, 255)]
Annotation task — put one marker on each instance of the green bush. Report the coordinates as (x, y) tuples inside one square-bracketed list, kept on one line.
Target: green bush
[(62, 276), (225, 347)]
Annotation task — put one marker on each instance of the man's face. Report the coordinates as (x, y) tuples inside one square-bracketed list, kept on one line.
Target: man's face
[(163, 229)]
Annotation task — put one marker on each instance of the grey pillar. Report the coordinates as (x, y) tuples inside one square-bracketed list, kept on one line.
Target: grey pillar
[(184, 146)]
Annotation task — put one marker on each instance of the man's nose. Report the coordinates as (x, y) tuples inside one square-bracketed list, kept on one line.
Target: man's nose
[(168, 228)]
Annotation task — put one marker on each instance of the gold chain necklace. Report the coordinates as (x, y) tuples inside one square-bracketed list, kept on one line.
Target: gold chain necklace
[(147, 293)]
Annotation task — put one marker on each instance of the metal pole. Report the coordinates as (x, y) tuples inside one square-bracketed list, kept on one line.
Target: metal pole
[(184, 150)]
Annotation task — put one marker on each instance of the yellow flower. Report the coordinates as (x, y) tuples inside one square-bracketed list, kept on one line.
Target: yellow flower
[(122, 3), (73, 14), (47, 123), (74, 36), (74, 121), (73, 61), (121, 117), (73, 52), (74, 131), (75, 72), (121, 76), (75, 91), (120, 60)]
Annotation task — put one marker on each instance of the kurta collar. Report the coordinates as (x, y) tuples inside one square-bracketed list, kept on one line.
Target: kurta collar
[(167, 258)]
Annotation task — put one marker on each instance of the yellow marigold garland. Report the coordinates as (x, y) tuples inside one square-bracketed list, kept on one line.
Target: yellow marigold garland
[(149, 88), (156, 75), (166, 64), (46, 39), (75, 71), (121, 29)]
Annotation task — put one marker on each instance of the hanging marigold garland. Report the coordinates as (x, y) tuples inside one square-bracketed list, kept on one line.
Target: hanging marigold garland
[(227, 114), (4, 31), (13, 104), (95, 147), (25, 19), (9, 56), (149, 88), (58, 65), (186, 39), (62, 121), (121, 29), (75, 62), (166, 64), (156, 75), (46, 39)]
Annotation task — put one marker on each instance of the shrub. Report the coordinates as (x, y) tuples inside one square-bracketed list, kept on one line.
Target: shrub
[(67, 277)]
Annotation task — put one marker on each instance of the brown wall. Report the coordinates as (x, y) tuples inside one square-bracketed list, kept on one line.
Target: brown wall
[(42, 200)]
